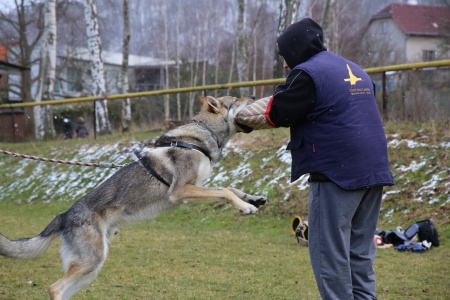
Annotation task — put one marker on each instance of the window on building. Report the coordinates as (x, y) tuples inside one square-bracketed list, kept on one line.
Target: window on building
[(3, 87), (383, 27), (58, 87), (376, 57), (148, 79), (429, 55), (74, 80), (392, 56)]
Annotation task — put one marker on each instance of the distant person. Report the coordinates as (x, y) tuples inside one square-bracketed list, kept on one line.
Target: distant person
[(81, 129), (68, 128)]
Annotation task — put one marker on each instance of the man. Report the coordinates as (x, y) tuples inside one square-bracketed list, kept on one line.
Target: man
[(68, 128), (338, 138), (81, 128)]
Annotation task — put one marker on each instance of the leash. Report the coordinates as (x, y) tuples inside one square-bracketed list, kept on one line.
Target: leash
[(76, 163)]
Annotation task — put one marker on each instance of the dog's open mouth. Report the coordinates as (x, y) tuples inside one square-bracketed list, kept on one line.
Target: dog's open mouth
[(244, 128)]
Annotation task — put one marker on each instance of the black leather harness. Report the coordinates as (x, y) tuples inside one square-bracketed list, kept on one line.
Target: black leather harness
[(179, 144), (182, 144), (149, 169)]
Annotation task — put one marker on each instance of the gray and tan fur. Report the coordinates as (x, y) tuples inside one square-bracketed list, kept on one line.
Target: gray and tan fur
[(132, 194)]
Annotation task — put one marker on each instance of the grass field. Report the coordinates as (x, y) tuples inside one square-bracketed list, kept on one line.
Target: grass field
[(197, 252), (211, 251)]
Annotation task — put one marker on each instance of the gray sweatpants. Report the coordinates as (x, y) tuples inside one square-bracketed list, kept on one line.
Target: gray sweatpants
[(341, 229)]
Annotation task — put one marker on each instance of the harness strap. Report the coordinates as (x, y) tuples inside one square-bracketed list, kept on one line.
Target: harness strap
[(149, 169), (182, 144)]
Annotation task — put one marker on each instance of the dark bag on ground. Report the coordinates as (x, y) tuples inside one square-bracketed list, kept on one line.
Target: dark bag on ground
[(425, 231)]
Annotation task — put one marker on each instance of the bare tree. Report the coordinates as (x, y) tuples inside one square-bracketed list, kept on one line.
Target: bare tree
[(166, 57), (194, 65), (43, 115), (102, 123), (254, 46), (304, 9), (205, 42), (330, 30), (126, 105), (262, 24), (233, 58), (346, 34), (177, 58), (287, 14), (242, 55), (21, 29)]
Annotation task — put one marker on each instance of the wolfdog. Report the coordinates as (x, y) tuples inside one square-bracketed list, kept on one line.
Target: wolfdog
[(164, 176)]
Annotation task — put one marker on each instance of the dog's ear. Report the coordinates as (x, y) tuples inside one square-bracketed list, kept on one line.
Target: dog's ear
[(210, 104)]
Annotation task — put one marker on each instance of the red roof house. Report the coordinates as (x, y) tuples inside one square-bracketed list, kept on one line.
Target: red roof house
[(418, 19), (402, 33)]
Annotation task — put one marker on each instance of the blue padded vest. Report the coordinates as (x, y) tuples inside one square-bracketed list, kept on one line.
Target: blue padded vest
[(343, 137)]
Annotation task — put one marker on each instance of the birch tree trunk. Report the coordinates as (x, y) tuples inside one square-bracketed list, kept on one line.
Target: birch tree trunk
[(294, 8), (217, 52), (233, 57), (278, 70), (263, 73), (191, 94), (177, 55), (255, 58), (38, 110), (288, 12), (204, 44), (194, 69), (43, 115), (217, 64), (330, 39), (102, 123), (242, 56), (304, 9), (166, 66), (126, 105)]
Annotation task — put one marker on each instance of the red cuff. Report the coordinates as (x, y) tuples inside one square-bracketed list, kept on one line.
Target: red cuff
[(266, 113)]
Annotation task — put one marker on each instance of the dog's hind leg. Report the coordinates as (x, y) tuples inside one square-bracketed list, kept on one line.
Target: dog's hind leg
[(77, 277), (83, 259)]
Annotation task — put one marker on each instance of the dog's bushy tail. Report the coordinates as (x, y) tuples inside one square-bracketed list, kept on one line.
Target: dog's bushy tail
[(29, 248)]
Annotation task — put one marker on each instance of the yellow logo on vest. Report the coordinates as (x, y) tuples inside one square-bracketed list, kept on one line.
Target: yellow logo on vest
[(352, 78)]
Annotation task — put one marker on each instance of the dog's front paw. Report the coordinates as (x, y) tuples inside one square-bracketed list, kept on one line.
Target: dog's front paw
[(248, 209), (256, 200)]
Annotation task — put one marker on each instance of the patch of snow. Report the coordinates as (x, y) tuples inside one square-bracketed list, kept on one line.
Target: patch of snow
[(434, 200), (302, 183), (389, 213), (413, 166), (409, 143)]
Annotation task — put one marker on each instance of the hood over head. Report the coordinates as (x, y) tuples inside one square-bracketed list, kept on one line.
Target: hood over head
[(300, 41)]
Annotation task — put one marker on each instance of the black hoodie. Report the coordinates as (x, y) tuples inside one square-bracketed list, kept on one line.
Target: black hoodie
[(300, 41), (293, 100)]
